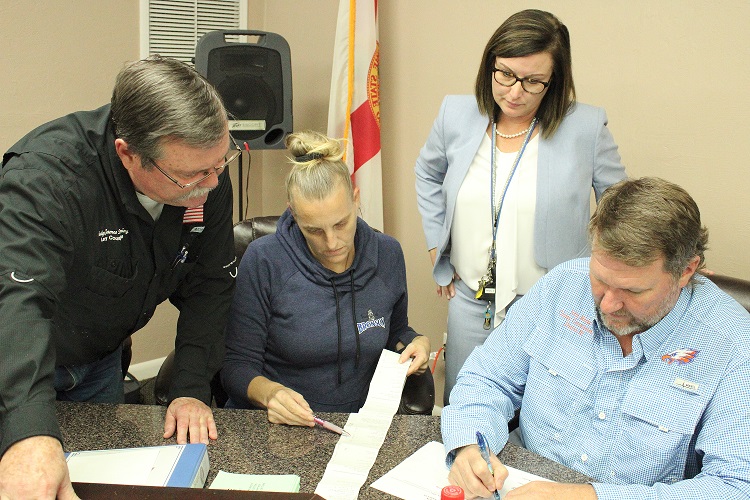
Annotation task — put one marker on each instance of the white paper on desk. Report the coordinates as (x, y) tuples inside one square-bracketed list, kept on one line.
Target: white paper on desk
[(130, 466), (353, 456), (387, 384), (340, 485), (255, 482), (366, 430), (423, 474)]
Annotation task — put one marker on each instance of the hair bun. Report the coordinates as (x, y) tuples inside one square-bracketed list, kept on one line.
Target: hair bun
[(308, 157)]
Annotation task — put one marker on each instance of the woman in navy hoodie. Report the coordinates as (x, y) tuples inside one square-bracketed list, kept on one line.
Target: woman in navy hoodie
[(317, 301)]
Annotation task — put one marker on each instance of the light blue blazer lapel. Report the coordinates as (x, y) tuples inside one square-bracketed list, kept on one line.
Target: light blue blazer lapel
[(543, 197), (469, 133)]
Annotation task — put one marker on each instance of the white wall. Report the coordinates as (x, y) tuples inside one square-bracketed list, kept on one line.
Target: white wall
[(671, 74)]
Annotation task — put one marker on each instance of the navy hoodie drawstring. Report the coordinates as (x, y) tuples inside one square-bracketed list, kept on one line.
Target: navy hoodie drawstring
[(354, 316), (338, 321), (338, 324)]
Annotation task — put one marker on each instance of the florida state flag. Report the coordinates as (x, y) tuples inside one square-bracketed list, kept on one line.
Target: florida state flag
[(354, 109)]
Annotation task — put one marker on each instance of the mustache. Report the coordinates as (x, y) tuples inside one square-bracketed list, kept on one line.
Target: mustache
[(195, 193)]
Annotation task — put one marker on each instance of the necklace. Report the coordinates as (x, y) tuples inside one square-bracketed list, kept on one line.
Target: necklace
[(513, 136)]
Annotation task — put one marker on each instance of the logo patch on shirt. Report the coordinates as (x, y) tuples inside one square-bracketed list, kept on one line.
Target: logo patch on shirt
[(680, 356), (371, 322), (576, 322)]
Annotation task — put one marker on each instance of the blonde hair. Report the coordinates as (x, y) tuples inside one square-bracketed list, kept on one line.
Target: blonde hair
[(317, 166)]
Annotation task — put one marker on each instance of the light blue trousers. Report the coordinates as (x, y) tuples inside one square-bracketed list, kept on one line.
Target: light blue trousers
[(465, 331)]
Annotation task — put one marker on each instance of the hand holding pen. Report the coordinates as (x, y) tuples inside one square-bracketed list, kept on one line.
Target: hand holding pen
[(286, 406), (478, 473)]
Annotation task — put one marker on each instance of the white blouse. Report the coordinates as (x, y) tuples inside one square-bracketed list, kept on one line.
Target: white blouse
[(471, 232)]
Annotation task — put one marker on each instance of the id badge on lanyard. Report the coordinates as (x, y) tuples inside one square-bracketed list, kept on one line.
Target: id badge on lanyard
[(486, 287)]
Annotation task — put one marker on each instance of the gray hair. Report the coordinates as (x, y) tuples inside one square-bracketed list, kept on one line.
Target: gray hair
[(640, 220), (162, 98), (317, 166)]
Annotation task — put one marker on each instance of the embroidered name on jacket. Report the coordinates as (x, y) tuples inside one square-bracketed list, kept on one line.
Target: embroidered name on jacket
[(112, 234), (372, 322)]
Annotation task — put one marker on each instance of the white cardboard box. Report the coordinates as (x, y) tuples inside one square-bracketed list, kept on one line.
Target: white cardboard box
[(184, 465)]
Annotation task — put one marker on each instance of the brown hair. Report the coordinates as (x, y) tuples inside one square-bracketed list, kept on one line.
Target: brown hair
[(525, 33), (639, 220)]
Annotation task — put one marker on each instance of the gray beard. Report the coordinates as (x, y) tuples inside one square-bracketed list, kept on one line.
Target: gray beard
[(642, 324)]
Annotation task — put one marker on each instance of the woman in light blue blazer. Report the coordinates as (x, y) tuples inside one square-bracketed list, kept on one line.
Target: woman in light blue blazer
[(504, 180)]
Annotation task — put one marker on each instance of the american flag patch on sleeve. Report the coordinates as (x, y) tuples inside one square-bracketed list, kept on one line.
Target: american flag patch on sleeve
[(193, 215)]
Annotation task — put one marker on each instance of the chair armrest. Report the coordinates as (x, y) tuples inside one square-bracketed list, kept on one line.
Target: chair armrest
[(418, 397), (127, 354), (163, 380)]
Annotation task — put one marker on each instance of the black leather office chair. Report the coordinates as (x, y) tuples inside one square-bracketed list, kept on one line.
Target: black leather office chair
[(127, 355), (737, 288), (418, 397)]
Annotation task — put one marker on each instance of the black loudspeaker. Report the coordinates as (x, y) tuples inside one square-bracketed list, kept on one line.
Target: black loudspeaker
[(255, 82)]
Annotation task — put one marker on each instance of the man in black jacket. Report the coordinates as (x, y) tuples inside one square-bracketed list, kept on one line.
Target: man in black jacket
[(104, 214)]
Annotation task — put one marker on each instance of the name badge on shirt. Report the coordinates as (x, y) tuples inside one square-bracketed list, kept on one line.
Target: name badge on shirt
[(686, 385)]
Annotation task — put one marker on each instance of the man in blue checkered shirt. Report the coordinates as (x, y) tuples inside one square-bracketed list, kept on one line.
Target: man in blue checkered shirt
[(628, 367)]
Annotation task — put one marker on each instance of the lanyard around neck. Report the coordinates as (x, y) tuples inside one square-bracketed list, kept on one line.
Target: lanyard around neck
[(497, 208)]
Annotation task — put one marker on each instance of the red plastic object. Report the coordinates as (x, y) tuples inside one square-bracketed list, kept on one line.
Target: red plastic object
[(452, 493)]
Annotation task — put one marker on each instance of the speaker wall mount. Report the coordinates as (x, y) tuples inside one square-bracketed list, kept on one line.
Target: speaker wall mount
[(254, 80)]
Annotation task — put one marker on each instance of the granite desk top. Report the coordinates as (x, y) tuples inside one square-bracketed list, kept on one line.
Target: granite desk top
[(249, 444)]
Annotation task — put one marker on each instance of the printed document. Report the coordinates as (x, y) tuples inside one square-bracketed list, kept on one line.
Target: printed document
[(256, 482), (354, 455), (422, 475)]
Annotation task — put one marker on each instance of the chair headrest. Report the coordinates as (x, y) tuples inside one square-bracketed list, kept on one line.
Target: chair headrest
[(251, 229), (738, 288)]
